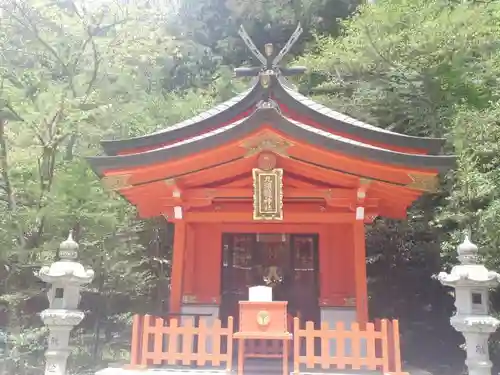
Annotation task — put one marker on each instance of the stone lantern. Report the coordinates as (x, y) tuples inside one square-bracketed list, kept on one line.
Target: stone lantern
[(472, 282), (66, 277)]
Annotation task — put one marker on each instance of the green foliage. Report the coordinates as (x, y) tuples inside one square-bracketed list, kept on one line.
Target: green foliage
[(474, 202), (412, 62), (73, 73), (428, 68)]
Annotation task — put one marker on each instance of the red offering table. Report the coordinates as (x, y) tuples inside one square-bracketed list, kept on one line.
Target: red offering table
[(263, 321)]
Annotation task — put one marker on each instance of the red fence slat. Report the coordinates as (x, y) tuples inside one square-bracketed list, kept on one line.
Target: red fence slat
[(158, 341)]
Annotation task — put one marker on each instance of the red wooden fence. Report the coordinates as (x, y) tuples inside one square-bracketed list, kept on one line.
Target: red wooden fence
[(341, 348), (158, 341)]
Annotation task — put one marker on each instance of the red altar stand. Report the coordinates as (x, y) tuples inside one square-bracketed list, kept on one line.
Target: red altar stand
[(263, 321)]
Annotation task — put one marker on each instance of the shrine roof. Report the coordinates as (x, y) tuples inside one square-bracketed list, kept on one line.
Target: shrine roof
[(203, 122), (271, 118), (337, 122), (280, 90)]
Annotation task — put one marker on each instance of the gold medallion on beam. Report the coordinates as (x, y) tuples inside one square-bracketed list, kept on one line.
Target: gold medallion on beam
[(266, 141), (116, 182), (267, 194), (424, 182), (266, 161)]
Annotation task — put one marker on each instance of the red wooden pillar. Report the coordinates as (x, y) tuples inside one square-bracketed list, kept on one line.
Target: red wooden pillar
[(327, 262), (178, 255), (360, 267), (189, 262)]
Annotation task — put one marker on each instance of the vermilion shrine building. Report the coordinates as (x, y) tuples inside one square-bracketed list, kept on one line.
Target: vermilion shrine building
[(271, 188)]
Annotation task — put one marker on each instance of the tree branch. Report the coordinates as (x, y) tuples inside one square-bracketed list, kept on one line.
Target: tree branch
[(7, 185), (89, 40), (14, 112), (33, 29)]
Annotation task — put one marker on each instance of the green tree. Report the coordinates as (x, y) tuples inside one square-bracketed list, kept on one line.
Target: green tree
[(62, 78), (429, 68)]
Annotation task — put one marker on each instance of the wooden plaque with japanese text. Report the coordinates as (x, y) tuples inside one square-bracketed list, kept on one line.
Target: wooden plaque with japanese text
[(267, 194)]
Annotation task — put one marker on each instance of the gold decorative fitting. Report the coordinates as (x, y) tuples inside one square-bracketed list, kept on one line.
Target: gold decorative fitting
[(267, 194), (116, 182), (424, 182), (210, 193), (350, 301), (170, 181), (269, 49), (266, 161), (265, 79), (364, 181), (266, 141), (263, 318), (188, 298)]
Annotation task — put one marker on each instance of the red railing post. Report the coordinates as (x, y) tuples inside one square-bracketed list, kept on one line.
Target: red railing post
[(396, 348), (136, 343), (385, 339), (296, 345), (229, 350)]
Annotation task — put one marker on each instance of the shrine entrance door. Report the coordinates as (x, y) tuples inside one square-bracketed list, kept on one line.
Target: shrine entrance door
[(286, 262)]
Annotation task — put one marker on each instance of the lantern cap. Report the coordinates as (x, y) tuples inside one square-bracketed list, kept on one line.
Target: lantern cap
[(68, 250)]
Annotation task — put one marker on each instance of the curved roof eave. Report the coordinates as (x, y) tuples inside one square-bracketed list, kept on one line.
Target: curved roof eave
[(343, 124), (271, 117), (205, 121)]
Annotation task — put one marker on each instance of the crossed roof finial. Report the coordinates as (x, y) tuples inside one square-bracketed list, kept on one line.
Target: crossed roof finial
[(270, 62)]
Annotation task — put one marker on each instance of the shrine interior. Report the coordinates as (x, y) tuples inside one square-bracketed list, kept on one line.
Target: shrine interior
[(289, 263)]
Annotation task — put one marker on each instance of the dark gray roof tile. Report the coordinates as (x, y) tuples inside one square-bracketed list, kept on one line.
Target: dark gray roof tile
[(343, 124), (333, 114), (289, 127), (225, 112), (197, 124)]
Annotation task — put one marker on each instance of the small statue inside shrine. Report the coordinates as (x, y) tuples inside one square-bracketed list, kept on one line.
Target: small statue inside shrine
[(273, 276)]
